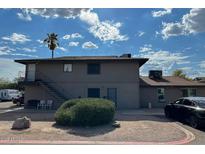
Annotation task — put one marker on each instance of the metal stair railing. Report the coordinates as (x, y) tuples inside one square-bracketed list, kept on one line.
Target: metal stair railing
[(46, 81)]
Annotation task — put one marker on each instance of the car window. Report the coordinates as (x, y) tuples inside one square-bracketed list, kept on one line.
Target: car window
[(188, 103)]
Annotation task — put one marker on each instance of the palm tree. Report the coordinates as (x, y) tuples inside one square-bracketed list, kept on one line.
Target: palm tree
[(52, 42)]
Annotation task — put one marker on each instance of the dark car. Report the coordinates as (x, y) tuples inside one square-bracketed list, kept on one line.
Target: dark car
[(19, 101), (188, 109)]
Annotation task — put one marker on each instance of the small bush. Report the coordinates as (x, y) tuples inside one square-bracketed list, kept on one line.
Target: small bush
[(85, 112)]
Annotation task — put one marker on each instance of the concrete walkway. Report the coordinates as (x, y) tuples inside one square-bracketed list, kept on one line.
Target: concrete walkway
[(145, 111)]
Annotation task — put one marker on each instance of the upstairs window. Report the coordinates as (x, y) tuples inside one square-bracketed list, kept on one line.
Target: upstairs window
[(93, 68), (161, 93), (68, 68)]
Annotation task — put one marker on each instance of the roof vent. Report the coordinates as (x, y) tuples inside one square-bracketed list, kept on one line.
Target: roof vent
[(127, 55), (155, 74)]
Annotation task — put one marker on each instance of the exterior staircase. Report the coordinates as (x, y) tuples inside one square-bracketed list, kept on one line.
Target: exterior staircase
[(60, 98)]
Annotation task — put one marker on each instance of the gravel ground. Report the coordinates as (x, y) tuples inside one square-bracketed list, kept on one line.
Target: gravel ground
[(133, 129), (136, 126)]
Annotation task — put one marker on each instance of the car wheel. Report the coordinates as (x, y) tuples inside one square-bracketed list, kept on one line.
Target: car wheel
[(18, 104), (167, 114), (193, 121)]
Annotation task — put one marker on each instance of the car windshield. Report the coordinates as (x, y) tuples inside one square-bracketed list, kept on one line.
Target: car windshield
[(201, 103)]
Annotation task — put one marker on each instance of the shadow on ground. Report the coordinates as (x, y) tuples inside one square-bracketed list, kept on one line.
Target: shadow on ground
[(87, 131), (32, 114), (10, 107), (141, 117)]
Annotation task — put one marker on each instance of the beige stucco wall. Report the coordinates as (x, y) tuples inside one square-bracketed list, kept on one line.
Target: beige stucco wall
[(149, 94), (121, 75)]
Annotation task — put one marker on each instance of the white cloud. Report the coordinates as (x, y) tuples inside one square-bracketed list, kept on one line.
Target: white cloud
[(161, 59), (186, 68), (24, 15), (191, 23), (10, 69), (24, 55), (72, 36), (27, 49), (104, 30), (172, 29), (107, 31), (50, 13), (161, 12), (140, 33), (89, 17), (40, 41), (73, 44), (202, 64), (145, 48), (89, 45), (16, 38), (6, 50), (62, 48)]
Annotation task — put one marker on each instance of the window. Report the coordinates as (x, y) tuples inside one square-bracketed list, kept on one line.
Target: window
[(188, 103), (93, 68), (192, 92), (161, 93), (185, 92), (188, 92), (67, 68), (94, 92)]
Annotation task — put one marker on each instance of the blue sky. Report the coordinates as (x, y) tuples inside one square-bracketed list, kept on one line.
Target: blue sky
[(171, 38)]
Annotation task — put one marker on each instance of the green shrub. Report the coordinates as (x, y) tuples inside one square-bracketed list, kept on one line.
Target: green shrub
[(85, 112)]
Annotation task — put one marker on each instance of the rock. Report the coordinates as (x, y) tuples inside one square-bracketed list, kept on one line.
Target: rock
[(116, 125), (22, 123)]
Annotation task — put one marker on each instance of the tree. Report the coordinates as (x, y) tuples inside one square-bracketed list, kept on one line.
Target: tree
[(180, 74), (7, 84), (52, 42)]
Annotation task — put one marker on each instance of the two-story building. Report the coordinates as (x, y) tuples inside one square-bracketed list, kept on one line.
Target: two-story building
[(58, 79), (112, 77)]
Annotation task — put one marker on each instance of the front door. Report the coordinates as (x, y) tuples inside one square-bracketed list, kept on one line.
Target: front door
[(31, 71), (112, 95)]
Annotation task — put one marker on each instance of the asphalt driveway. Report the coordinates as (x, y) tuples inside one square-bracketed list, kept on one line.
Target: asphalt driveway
[(8, 106)]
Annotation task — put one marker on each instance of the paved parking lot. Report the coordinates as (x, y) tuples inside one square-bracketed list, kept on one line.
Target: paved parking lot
[(8, 106)]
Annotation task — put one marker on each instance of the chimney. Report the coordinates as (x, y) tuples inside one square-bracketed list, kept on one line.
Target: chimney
[(126, 55), (155, 74)]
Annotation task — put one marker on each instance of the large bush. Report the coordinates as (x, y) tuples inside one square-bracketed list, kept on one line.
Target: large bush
[(85, 112)]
